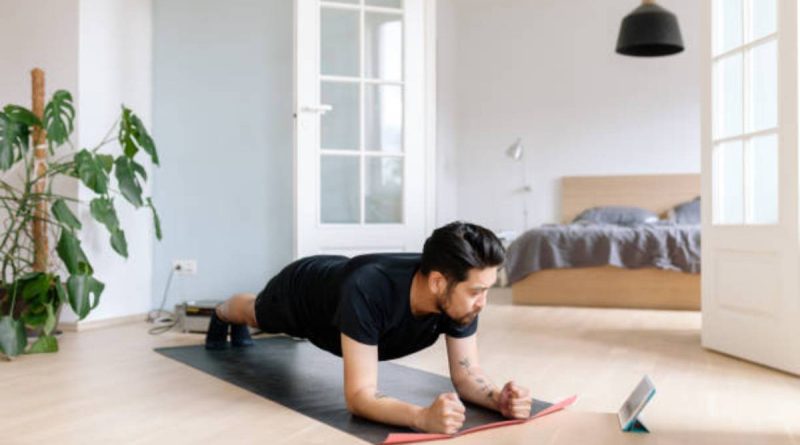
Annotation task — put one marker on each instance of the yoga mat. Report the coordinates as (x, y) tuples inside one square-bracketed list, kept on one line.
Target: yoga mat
[(400, 438), (302, 377)]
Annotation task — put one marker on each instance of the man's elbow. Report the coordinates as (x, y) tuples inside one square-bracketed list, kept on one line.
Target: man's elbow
[(351, 406), (353, 402), (459, 383)]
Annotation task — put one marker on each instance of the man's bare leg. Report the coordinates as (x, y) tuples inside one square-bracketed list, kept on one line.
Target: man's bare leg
[(239, 309)]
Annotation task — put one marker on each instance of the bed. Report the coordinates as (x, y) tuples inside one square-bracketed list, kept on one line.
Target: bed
[(668, 278)]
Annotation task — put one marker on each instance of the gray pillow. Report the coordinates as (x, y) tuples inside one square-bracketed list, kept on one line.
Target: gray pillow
[(618, 215), (686, 213)]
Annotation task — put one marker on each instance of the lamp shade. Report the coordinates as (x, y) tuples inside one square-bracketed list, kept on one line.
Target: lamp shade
[(649, 31), (515, 151)]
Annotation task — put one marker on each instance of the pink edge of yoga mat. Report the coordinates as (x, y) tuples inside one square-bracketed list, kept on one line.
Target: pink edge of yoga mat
[(399, 438)]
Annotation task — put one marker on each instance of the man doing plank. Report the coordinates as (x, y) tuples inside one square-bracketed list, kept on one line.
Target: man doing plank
[(384, 306)]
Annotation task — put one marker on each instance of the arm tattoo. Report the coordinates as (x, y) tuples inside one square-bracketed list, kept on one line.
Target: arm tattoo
[(379, 395), (465, 363), (484, 385)]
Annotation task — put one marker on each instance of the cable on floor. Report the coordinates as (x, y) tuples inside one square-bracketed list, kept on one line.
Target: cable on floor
[(163, 320)]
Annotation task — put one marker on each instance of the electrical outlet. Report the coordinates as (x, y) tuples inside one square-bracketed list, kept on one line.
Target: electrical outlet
[(185, 267)]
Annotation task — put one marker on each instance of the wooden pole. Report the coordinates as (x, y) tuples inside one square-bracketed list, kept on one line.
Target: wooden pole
[(40, 167)]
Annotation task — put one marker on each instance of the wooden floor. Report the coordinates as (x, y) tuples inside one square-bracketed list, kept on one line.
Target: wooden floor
[(108, 386)]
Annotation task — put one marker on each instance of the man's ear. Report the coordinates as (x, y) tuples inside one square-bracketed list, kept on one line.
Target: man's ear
[(437, 283)]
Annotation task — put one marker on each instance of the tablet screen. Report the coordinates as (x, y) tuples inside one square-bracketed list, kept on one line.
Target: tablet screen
[(636, 402)]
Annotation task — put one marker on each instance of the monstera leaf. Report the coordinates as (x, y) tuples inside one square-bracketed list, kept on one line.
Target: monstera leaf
[(84, 293), (103, 211), (156, 219), (59, 115), (45, 343), (70, 251), (133, 136), (13, 141), (129, 184), (64, 215), (12, 336), (92, 171)]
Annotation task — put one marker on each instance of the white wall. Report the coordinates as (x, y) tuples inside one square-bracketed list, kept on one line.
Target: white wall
[(37, 33), (447, 56), (115, 67), (546, 71)]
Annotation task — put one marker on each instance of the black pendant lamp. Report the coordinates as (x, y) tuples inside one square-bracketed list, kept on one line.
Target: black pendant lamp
[(649, 31)]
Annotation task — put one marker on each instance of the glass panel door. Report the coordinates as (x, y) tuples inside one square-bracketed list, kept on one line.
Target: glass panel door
[(362, 155), (745, 112)]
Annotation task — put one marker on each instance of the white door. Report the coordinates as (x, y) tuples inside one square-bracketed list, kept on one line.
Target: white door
[(751, 299), (361, 176)]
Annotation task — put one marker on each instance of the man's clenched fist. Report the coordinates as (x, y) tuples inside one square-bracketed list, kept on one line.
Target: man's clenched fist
[(444, 415), (514, 401)]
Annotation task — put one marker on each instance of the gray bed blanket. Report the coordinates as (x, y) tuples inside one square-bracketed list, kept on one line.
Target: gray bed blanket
[(663, 245)]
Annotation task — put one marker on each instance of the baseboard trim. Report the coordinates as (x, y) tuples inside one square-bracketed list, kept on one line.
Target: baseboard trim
[(78, 326)]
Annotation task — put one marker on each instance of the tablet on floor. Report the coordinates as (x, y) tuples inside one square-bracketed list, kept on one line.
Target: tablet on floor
[(633, 406)]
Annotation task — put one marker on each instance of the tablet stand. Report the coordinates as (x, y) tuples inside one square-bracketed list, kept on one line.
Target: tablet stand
[(637, 426)]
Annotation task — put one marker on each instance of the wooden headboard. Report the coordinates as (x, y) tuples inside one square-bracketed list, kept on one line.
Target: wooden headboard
[(658, 193)]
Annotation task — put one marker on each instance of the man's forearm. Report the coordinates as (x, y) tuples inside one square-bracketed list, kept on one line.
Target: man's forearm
[(475, 386), (377, 407)]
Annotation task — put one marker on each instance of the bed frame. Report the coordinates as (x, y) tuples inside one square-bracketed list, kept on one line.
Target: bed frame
[(609, 286)]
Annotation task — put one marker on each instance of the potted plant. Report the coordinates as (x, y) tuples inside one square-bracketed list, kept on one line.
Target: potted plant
[(35, 150)]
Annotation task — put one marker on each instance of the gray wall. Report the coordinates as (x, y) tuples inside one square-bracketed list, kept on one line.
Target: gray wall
[(222, 102)]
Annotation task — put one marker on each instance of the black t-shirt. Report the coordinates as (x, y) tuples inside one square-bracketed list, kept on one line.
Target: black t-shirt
[(366, 298)]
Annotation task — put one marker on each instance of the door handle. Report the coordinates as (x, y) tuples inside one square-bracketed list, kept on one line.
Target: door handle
[(319, 109)]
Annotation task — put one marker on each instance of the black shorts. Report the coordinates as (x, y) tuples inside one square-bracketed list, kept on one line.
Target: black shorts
[(302, 300), (274, 311)]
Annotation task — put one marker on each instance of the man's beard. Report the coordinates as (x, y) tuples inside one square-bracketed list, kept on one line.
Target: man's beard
[(443, 302)]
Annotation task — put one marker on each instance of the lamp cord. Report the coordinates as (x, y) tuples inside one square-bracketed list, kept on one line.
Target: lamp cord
[(526, 189)]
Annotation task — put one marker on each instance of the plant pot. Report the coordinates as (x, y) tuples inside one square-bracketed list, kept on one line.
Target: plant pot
[(21, 305)]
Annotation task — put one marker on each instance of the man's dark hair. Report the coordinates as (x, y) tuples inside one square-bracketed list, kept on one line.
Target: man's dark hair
[(456, 248)]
